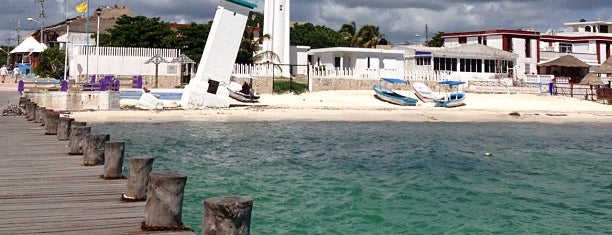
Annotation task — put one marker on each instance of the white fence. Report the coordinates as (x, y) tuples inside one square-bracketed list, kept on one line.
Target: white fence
[(539, 79), (242, 70), (121, 61)]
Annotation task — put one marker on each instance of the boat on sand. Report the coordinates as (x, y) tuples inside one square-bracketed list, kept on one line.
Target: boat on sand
[(385, 94)]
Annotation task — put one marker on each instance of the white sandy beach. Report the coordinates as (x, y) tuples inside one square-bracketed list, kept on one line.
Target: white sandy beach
[(363, 106)]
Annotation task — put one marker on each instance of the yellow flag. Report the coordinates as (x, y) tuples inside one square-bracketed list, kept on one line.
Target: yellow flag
[(81, 8)]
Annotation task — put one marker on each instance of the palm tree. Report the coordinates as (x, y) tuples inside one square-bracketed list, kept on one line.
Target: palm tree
[(348, 33), (369, 36)]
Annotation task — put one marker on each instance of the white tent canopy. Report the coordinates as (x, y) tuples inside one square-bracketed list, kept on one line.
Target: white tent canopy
[(29, 45)]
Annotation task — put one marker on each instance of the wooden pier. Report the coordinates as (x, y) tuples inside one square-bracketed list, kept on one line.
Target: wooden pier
[(45, 190)]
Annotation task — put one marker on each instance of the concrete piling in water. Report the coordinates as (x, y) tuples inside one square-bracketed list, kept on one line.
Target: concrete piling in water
[(138, 178), (113, 160), (52, 122), (227, 215), (164, 207), (77, 139), (93, 149), (63, 128)]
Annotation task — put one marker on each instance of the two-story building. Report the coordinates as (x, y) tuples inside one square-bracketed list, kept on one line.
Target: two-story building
[(589, 41)]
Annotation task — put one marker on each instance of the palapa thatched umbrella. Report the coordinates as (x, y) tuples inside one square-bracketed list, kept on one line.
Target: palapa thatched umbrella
[(592, 80), (569, 66), (606, 67)]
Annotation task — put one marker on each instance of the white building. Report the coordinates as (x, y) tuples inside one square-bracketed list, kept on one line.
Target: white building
[(589, 41), (523, 43), (360, 62)]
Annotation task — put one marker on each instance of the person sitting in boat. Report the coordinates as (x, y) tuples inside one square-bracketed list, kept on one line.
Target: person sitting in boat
[(246, 89)]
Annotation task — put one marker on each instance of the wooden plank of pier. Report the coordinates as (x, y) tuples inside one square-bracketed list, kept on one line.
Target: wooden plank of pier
[(45, 190)]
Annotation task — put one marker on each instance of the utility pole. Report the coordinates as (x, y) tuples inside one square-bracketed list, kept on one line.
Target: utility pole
[(426, 33), (42, 19), (18, 28)]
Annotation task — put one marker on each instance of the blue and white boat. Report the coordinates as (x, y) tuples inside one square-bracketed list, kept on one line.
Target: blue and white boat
[(452, 99), (388, 95)]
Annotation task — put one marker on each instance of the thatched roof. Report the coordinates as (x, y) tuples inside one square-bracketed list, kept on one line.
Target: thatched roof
[(565, 61), (474, 50), (606, 67), (591, 79)]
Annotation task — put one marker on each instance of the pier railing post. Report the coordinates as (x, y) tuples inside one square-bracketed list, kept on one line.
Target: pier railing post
[(29, 110), (52, 122), (138, 178), (227, 215), (63, 128), (34, 111), (113, 160), (93, 152), (77, 139), (164, 207), (40, 115)]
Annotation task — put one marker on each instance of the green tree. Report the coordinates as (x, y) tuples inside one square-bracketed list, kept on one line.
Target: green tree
[(368, 36), (349, 34), (436, 40), (249, 45), (191, 40), (139, 31), (4, 55), (51, 63), (315, 36)]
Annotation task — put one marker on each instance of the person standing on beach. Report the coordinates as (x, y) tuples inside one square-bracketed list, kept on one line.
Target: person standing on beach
[(16, 72), (3, 73)]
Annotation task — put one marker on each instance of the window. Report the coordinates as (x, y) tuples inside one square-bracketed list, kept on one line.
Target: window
[(482, 40), (212, 86), (528, 48), (603, 29), (445, 64), (470, 65), (368, 62), (565, 47), (337, 62), (489, 66), (462, 40), (588, 29), (423, 61)]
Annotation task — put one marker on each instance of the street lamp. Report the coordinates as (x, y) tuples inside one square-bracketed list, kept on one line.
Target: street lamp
[(42, 39), (98, 12), (66, 52)]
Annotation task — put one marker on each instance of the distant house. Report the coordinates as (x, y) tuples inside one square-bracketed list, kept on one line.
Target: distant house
[(589, 41), (80, 33), (465, 62), (359, 61), (523, 43), (26, 52)]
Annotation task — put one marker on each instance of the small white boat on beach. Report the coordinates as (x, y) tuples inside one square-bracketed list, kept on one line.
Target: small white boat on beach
[(242, 93), (452, 99), (385, 94), (423, 92)]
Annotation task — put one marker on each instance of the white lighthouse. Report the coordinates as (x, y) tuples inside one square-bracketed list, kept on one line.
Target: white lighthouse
[(276, 24)]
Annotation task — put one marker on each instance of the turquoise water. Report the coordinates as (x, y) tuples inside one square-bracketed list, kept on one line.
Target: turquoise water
[(390, 178)]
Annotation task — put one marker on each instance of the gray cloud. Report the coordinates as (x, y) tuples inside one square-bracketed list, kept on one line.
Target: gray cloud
[(400, 20)]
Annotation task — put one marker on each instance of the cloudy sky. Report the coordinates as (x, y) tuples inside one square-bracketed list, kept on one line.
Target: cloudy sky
[(400, 20)]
